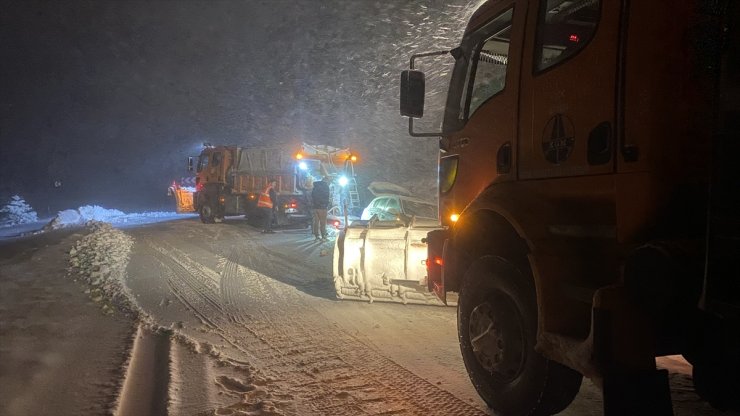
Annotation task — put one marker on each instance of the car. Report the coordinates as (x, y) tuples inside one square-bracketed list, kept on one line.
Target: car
[(335, 219), (397, 205)]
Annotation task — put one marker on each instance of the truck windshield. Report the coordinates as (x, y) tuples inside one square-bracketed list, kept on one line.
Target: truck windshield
[(202, 162)]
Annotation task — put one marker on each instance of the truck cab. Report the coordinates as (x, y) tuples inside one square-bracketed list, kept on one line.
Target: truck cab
[(576, 186)]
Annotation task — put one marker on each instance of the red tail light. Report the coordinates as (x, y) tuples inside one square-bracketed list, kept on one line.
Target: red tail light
[(433, 261), (198, 187), (336, 223)]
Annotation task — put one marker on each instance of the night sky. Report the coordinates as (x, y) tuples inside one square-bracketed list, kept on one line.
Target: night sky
[(110, 97)]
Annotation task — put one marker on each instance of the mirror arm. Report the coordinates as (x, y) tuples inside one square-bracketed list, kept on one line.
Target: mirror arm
[(412, 133), (421, 55)]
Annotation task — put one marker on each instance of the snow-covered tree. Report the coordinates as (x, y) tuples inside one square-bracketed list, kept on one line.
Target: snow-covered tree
[(17, 211)]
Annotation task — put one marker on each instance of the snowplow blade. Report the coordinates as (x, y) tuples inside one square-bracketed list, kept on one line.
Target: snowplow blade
[(383, 261), (184, 201)]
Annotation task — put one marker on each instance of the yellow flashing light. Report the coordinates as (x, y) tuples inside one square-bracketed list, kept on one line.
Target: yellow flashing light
[(353, 158), (454, 217), (299, 156)]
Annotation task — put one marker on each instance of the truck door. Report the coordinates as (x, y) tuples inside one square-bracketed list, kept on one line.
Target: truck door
[(484, 94), (568, 103)]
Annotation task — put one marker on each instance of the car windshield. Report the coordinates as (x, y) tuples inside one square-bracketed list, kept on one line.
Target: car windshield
[(419, 209)]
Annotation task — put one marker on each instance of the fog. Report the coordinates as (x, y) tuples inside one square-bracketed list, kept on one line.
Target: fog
[(108, 98)]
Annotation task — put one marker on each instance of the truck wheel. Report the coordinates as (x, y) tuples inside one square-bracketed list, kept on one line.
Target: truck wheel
[(206, 214), (497, 328)]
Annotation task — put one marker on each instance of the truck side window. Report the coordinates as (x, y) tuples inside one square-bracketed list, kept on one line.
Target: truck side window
[(216, 159), (203, 162), (564, 27), (488, 72)]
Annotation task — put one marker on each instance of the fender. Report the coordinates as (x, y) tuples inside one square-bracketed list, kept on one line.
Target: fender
[(563, 230)]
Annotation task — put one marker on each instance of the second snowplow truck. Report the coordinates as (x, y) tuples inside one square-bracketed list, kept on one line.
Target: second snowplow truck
[(230, 178), (589, 194)]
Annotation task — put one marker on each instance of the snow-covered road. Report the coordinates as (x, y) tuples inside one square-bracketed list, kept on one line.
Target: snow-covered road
[(265, 304), (229, 321)]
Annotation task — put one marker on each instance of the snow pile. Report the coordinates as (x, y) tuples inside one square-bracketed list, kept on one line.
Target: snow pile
[(82, 215), (17, 211), (100, 260)]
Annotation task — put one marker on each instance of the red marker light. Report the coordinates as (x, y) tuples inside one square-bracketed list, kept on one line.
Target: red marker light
[(438, 261), (574, 38)]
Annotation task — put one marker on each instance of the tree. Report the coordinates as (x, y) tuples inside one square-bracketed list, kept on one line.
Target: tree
[(17, 211)]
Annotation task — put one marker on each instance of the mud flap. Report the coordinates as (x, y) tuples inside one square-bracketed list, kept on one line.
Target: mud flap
[(624, 350)]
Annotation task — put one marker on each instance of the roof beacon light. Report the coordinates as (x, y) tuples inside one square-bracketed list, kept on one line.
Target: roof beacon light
[(299, 156), (353, 158)]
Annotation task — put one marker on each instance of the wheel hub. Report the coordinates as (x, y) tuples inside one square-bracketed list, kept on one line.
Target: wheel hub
[(497, 338)]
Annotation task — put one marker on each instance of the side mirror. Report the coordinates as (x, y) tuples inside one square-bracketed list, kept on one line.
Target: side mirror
[(412, 93), (190, 164)]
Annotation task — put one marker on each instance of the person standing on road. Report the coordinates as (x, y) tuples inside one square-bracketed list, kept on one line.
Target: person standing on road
[(320, 198), (267, 202)]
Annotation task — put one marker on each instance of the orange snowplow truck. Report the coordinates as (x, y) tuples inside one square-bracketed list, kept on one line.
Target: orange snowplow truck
[(588, 185), (229, 179)]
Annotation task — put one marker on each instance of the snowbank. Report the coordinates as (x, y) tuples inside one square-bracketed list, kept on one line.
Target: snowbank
[(100, 260), (80, 216)]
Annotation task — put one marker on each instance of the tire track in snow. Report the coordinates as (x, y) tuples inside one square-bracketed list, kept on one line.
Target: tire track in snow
[(332, 371), (147, 376), (190, 284)]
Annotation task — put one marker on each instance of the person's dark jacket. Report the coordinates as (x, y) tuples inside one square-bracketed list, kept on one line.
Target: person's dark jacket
[(273, 198), (320, 195)]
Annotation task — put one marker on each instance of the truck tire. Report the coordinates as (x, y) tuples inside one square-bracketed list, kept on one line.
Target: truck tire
[(207, 216), (497, 328)]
